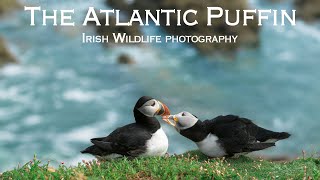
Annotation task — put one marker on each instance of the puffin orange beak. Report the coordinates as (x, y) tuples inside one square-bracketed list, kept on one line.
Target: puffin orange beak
[(171, 119), (163, 110)]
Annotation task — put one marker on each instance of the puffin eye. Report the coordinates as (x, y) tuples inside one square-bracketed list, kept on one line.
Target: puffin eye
[(183, 114), (153, 104)]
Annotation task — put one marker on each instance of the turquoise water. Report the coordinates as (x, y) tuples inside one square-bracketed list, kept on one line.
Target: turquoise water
[(63, 92)]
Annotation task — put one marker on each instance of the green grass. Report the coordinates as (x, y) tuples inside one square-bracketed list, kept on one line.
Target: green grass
[(191, 165)]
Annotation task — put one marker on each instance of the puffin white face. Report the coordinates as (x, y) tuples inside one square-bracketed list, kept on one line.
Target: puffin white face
[(153, 107), (180, 121)]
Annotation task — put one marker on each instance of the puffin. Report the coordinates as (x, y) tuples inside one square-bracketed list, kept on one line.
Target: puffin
[(224, 136), (145, 137)]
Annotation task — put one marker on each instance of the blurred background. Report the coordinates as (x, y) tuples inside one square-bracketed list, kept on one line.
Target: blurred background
[(56, 93)]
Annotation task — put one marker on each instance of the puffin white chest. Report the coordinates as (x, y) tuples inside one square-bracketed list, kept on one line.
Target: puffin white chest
[(158, 144), (210, 146)]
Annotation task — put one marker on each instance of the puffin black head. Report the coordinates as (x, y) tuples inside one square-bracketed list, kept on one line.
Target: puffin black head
[(188, 125), (181, 121), (151, 107)]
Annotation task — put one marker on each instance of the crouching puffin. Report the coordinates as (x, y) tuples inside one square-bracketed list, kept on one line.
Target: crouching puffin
[(145, 137), (224, 135)]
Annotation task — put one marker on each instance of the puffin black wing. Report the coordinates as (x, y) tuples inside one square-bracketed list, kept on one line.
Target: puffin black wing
[(241, 135), (128, 140)]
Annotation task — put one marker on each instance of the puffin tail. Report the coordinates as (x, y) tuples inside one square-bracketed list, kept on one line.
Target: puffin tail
[(267, 136), (259, 146), (282, 135), (94, 150), (275, 136), (106, 146), (87, 150)]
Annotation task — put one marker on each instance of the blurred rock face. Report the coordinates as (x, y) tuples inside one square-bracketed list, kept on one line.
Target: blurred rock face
[(308, 10), (125, 59), (8, 5), (248, 35), (5, 56)]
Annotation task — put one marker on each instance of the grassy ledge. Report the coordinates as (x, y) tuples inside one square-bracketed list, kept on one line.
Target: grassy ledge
[(191, 165)]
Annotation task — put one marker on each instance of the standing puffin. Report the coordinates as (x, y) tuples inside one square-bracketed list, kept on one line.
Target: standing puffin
[(145, 137), (224, 135)]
